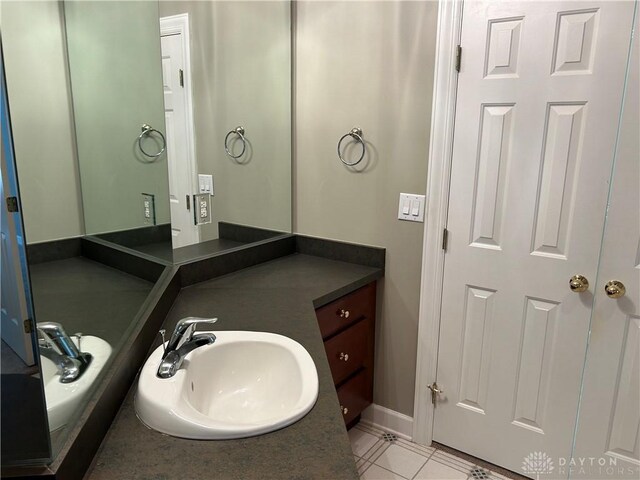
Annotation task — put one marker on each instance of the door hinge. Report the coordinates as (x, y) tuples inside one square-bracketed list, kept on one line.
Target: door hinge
[(12, 204), (28, 325), (458, 57), (181, 78), (188, 202), (445, 239)]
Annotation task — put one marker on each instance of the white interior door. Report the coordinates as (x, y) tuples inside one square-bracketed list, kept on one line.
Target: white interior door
[(539, 95), (182, 173), (609, 420)]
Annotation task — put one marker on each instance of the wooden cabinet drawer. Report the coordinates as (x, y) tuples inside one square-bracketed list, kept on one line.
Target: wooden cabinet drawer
[(354, 396), (347, 351), (347, 310)]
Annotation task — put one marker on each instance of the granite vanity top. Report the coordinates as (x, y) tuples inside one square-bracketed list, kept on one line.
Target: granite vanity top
[(277, 296)]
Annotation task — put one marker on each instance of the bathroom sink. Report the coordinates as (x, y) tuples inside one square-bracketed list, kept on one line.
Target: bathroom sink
[(63, 399), (244, 384)]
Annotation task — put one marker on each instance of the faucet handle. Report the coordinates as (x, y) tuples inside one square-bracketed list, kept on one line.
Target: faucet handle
[(184, 331), (191, 322)]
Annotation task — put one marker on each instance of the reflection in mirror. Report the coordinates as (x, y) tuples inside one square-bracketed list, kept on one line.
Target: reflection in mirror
[(116, 84), (120, 110), (224, 68), (83, 309), (25, 436)]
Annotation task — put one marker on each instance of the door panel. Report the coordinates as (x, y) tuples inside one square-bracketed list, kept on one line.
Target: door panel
[(181, 178), (609, 420), (539, 95)]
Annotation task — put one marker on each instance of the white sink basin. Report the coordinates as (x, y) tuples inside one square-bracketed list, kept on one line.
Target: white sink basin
[(63, 399), (244, 384)]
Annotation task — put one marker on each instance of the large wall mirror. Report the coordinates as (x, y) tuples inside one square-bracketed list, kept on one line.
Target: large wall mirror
[(161, 128)]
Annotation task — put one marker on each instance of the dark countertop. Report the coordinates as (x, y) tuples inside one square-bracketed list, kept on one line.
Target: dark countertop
[(277, 296), (87, 296)]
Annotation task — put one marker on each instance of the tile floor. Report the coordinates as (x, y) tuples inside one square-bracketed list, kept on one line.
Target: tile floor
[(383, 456)]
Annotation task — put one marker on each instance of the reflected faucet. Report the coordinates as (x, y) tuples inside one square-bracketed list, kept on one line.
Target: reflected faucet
[(182, 341), (58, 347)]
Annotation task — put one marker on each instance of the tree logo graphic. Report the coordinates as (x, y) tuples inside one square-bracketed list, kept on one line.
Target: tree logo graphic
[(537, 463)]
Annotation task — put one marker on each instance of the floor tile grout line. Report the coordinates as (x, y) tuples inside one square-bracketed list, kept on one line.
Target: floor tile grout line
[(383, 448), (420, 469), (378, 440), (390, 471), (374, 448)]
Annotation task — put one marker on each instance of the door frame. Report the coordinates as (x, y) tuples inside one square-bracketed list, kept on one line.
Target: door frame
[(179, 25), (438, 176)]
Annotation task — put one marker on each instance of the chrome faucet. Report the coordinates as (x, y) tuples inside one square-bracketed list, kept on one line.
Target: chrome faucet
[(58, 347), (182, 341)]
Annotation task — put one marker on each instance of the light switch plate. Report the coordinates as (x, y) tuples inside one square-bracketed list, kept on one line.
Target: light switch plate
[(202, 208), (411, 207), (205, 184)]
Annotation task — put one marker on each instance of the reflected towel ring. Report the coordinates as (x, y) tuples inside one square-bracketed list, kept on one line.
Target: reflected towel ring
[(146, 130), (355, 133), (240, 132)]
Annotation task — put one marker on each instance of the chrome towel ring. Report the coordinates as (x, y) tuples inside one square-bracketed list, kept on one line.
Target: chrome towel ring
[(147, 130), (240, 132), (356, 134)]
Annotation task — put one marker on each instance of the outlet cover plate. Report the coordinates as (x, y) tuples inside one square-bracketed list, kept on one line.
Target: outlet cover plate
[(148, 209), (202, 208)]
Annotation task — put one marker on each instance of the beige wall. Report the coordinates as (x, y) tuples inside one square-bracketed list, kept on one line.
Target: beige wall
[(368, 64), (42, 121), (241, 75), (115, 65)]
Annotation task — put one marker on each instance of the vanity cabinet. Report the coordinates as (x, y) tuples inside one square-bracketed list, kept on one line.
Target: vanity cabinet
[(348, 330)]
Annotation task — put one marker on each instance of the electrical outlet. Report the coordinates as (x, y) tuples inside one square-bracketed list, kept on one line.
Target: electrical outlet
[(202, 208), (148, 209)]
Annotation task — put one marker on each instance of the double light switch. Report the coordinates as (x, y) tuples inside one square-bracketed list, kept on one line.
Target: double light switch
[(411, 207)]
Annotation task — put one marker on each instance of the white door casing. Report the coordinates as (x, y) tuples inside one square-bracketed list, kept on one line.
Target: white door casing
[(609, 420), (533, 148), (174, 33)]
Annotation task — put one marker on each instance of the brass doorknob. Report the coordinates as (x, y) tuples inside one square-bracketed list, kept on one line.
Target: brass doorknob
[(578, 283), (614, 289)]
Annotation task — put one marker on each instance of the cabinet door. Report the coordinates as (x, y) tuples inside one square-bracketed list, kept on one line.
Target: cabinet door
[(347, 310), (353, 396), (347, 351)]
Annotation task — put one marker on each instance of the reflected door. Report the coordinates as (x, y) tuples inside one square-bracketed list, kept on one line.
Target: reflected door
[(539, 96), (179, 137), (609, 420)]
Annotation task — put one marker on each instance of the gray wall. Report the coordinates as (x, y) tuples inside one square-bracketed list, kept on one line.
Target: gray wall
[(115, 65), (368, 64), (42, 120), (241, 75)]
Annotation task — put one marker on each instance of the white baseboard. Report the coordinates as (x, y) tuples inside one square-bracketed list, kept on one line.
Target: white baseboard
[(388, 420)]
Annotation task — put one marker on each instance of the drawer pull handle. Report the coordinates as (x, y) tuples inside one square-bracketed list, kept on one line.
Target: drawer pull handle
[(343, 313), (345, 410), (344, 356)]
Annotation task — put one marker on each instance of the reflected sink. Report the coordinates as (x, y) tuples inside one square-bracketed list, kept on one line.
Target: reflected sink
[(244, 384), (63, 399)]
